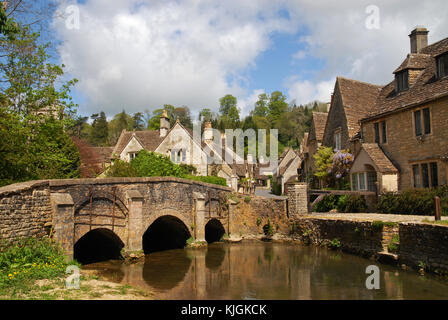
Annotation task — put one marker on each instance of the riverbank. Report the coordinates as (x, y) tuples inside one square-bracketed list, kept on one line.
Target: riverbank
[(92, 287), (416, 242)]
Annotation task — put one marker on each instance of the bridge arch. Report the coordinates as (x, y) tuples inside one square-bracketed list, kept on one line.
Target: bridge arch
[(166, 230), (99, 244), (214, 230)]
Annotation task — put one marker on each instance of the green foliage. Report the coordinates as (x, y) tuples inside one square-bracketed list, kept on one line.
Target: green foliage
[(121, 169), (208, 179), (187, 169), (31, 259), (327, 204), (414, 201), (152, 164), (378, 225), (334, 244), (324, 161), (352, 204), (394, 244), (247, 199), (276, 188), (268, 229), (258, 221)]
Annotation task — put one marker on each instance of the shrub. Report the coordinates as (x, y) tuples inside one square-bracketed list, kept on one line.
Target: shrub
[(208, 179), (267, 229), (334, 244), (247, 199), (414, 201), (352, 203), (121, 169), (31, 259), (276, 188), (328, 203), (152, 164)]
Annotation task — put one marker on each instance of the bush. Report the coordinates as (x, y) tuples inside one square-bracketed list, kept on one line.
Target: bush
[(276, 188), (31, 259), (327, 204), (152, 164), (208, 179), (121, 169), (414, 201), (352, 204)]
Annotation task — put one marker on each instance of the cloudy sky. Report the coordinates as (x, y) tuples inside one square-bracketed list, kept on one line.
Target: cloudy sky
[(141, 54)]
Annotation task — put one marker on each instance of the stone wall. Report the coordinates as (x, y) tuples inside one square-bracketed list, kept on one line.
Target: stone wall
[(248, 215), (354, 236), (25, 211), (420, 245), (424, 245)]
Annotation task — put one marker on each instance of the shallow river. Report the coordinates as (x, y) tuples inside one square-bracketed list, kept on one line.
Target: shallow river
[(256, 270)]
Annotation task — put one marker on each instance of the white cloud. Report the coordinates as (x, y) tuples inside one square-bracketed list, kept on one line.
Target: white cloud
[(246, 104), (140, 54), (181, 53), (306, 91)]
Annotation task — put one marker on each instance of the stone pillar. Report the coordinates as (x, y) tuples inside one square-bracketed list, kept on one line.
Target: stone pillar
[(298, 199), (234, 182), (232, 209), (135, 220), (64, 221), (199, 223)]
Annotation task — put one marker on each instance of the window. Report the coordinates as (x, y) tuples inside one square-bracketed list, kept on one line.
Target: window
[(416, 171), (442, 66), (377, 132), (426, 125), (402, 81), (434, 175), (178, 155), (425, 175), (338, 141), (383, 131), (364, 181), (380, 137), (132, 155)]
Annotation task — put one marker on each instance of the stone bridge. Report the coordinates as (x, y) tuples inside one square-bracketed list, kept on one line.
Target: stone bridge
[(97, 218)]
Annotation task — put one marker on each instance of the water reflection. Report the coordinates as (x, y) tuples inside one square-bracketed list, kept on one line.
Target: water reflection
[(269, 271)]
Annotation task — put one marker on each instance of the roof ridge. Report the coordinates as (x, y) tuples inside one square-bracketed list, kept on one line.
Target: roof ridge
[(363, 82), (435, 43)]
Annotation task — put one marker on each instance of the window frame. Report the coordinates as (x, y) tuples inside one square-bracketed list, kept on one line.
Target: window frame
[(425, 178), (355, 179), (337, 137), (442, 60), (402, 81), (132, 155), (424, 121)]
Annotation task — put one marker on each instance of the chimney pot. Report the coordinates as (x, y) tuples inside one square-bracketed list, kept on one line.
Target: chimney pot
[(164, 124)]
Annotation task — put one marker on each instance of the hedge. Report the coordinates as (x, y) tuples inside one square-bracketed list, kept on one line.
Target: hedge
[(413, 201), (346, 203)]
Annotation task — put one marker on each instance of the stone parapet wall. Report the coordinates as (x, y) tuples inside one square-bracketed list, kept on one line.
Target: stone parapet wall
[(25, 211)]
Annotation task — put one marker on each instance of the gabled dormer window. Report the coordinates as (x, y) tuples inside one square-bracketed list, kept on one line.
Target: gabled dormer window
[(402, 81), (442, 65)]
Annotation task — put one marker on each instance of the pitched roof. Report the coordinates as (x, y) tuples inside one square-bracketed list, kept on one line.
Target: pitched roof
[(92, 158), (379, 158), (414, 61), (149, 139), (358, 99), (425, 88), (319, 121)]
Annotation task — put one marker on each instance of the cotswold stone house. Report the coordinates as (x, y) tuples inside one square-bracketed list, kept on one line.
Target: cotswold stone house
[(403, 142), (287, 170), (312, 142), (351, 101)]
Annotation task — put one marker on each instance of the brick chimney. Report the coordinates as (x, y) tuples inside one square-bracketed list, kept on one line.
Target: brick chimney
[(164, 124), (419, 39)]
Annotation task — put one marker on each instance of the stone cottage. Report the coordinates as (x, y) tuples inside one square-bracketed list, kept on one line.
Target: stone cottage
[(403, 142)]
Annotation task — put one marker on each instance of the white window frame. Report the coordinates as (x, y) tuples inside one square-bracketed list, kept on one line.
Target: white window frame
[(132, 155), (338, 140)]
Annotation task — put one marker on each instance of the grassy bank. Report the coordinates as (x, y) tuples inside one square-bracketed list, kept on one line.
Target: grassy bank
[(35, 269)]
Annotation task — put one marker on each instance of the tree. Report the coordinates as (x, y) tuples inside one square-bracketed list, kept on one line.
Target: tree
[(206, 115), (324, 162), (184, 116), (277, 106), (100, 132), (261, 106), (229, 113), (34, 113), (138, 121)]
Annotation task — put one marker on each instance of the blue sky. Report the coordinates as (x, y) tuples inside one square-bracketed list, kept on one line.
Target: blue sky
[(141, 54)]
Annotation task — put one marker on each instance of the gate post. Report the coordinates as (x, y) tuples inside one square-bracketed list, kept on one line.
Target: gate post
[(63, 220), (135, 220), (298, 199), (199, 225)]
